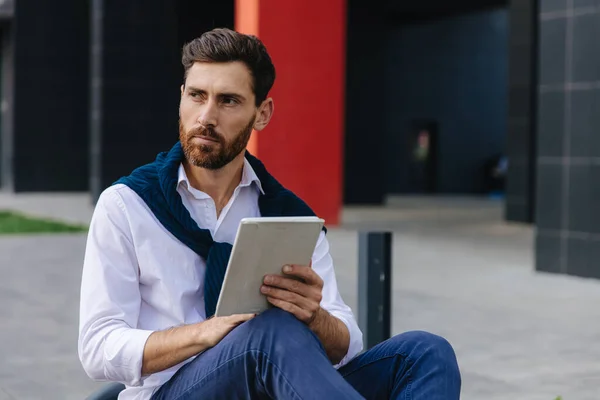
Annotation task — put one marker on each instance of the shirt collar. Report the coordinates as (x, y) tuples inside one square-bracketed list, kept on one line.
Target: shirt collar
[(248, 178)]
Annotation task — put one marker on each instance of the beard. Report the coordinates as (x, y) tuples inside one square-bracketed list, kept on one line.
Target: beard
[(217, 154)]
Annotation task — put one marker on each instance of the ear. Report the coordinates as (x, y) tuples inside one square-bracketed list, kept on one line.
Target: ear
[(182, 89), (264, 114)]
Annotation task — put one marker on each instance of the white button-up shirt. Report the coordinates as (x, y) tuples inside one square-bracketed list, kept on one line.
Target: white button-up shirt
[(138, 278)]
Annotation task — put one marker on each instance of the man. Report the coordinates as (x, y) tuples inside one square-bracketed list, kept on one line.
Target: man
[(157, 247)]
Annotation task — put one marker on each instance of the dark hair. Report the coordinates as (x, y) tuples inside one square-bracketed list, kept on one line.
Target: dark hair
[(224, 45)]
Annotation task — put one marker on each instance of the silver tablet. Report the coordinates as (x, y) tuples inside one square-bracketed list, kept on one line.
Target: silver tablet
[(263, 246)]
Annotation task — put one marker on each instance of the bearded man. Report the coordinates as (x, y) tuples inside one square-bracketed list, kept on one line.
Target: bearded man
[(158, 247)]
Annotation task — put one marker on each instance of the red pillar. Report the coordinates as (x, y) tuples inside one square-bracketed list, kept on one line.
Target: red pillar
[(303, 144)]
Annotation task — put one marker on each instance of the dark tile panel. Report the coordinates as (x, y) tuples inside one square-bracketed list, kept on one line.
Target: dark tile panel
[(594, 200), (547, 252), (583, 122), (585, 48), (552, 5), (549, 196), (552, 38), (551, 124), (579, 197), (593, 252), (584, 3), (578, 260)]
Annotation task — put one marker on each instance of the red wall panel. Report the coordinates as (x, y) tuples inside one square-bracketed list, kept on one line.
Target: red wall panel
[(303, 144)]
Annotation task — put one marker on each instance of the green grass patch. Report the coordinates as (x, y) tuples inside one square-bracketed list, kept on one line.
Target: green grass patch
[(16, 223)]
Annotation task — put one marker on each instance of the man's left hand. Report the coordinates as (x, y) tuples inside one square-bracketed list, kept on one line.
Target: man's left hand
[(301, 298)]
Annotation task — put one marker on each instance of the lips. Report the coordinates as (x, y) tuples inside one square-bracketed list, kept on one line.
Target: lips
[(207, 138)]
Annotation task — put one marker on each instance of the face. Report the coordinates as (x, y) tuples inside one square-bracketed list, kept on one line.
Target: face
[(217, 113)]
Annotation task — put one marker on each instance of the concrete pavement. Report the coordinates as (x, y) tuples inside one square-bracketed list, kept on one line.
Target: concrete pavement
[(458, 270)]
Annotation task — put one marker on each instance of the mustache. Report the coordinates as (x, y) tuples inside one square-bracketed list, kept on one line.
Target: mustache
[(205, 132)]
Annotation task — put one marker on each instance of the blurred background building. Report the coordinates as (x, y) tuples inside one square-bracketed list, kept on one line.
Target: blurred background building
[(373, 99)]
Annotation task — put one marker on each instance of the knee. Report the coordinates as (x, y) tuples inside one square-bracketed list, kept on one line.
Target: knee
[(424, 345), (424, 341), (275, 322), (274, 317)]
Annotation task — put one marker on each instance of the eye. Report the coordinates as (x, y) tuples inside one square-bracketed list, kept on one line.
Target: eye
[(196, 95), (230, 101)]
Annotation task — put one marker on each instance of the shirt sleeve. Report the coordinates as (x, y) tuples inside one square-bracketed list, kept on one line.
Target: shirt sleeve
[(332, 302), (109, 346)]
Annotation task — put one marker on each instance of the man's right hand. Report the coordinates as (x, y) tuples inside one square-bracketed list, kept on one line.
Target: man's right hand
[(213, 330), (170, 347)]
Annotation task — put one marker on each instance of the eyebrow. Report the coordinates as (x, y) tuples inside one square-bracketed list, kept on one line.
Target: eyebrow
[(224, 94)]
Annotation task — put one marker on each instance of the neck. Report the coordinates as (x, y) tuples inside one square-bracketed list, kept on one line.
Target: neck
[(218, 184)]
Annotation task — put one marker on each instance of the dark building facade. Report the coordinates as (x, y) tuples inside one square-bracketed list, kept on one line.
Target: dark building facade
[(135, 78), (44, 96), (568, 141), (90, 90), (522, 111)]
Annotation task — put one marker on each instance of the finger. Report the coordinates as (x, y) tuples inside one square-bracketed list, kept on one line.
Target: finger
[(293, 285), (299, 313), (304, 272), (290, 297)]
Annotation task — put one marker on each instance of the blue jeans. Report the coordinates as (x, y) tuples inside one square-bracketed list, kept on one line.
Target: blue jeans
[(275, 356)]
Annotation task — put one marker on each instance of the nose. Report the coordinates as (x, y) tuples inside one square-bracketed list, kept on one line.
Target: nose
[(209, 112)]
